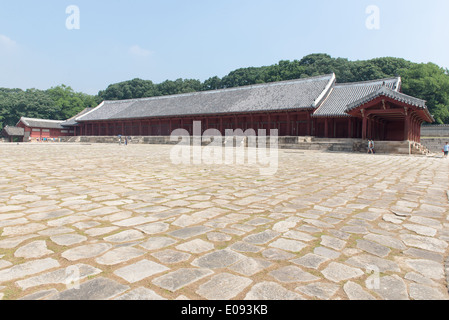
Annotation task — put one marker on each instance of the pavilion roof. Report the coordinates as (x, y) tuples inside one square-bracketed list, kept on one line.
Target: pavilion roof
[(394, 96), (343, 95), (14, 131), (384, 91)]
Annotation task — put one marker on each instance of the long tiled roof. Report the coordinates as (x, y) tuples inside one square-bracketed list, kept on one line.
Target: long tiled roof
[(42, 123), (343, 95), (285, 95)]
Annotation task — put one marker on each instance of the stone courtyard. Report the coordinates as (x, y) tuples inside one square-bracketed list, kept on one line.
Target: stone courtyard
[(104, 221)]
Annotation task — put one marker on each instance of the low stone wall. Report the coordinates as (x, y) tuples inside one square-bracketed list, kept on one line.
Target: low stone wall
[(435, 145), (385, 147), (167, 140), (301, 143), (435, 130)]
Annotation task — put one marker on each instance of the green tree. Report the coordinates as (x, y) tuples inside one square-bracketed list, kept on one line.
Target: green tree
[(431, 83)]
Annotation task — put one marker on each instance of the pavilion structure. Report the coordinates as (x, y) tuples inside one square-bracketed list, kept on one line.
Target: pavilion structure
[(316, 106), (40, 129), (13, 134)]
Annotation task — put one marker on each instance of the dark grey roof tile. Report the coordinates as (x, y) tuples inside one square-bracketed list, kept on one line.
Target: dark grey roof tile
[(42, 123), (343, 95), (14, 131), (72, 121), (285, 95), (398, 96)]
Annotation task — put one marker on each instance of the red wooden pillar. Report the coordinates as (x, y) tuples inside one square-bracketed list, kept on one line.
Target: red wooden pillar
[(418, 131), (309, 125), (140, 128), (374, 136), (295, 125), (326, 128), (349, 128), (406, 127), (334, 129), (269, 124), (414, 137), (364, 127), (417, 138)]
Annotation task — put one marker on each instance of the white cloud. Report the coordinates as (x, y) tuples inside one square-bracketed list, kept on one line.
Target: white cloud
[(137, 51), (6, 43)]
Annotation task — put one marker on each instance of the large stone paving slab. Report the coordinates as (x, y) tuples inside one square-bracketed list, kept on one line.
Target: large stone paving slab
[(140, 293), (27, 269), (132, 225), (190, 232), (97, 289), (271, 291), (86, 251), (140, 270), (36, 249), (180, 278), (224, 286), (67, 276), (218, 259), (119, 255)]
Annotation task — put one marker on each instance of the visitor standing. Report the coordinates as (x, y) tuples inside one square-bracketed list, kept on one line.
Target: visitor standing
[(446, 149), (371, 146)]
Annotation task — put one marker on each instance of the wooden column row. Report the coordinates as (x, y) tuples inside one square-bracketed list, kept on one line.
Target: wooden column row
[(251, 121)]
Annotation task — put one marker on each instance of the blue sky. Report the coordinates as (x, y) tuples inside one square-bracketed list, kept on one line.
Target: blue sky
[(158, 40)]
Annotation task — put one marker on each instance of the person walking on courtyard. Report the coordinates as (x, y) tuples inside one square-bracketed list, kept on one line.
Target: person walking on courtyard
[(371, 146), (446, 149)]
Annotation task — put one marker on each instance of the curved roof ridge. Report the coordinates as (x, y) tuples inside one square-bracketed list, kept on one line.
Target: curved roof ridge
[(398, 79), (246, 87), (37, 119)]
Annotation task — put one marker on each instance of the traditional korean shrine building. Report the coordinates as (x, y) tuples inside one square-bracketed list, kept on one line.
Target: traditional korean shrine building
[(316, 106), (35, 129), (13, 134)]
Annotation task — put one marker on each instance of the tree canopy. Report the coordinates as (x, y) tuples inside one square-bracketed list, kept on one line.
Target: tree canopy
[(425, 81), (58, 103)]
